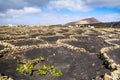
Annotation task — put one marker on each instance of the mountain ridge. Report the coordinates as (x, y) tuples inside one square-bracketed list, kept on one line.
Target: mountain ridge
[(91, 20)]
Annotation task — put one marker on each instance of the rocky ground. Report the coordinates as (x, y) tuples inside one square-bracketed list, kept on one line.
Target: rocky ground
[(80, 53)]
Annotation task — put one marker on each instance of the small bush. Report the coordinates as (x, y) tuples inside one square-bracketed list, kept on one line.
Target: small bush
[(28, 68)]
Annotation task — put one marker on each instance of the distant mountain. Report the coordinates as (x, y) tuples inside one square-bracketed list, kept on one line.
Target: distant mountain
[(84, 21)]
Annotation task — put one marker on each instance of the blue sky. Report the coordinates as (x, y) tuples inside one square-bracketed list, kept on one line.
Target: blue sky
[(48, 12)]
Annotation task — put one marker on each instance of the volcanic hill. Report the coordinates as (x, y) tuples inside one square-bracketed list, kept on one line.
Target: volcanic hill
[(91, 20)]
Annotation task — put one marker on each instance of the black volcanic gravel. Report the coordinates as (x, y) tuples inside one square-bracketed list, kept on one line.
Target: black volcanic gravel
[(75, 65), (115, 55), (89, 43), (1, 47), (116, 42), (29, 42), (8, 67)]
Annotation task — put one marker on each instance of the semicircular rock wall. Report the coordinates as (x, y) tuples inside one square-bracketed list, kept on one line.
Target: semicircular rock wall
[(81, 53)]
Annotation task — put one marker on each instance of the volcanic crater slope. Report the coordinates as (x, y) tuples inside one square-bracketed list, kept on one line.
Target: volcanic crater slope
[(80, 53)]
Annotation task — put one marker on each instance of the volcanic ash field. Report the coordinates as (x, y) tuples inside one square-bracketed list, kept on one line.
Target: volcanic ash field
[(79, 53)]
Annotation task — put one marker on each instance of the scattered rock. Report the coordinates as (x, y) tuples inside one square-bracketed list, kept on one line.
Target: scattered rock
[(2, 77), (107, 77)]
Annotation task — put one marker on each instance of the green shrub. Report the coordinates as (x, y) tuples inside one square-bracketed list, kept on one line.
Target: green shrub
[(42, 72), (42, 58), (21, 69), (28, 68), (58, 73)]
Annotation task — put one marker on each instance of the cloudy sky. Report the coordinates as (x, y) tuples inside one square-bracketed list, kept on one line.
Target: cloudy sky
[(47, 12)]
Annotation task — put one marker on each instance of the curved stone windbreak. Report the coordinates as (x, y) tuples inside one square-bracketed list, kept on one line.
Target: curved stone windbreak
[(113, 41), (109, 56), (104, 53), (74, 50), (72, 63), (3, 77), (90, 43), (22, 42), (7, 44), (115, 55), (51, 39), (62, 43), (110, 62)]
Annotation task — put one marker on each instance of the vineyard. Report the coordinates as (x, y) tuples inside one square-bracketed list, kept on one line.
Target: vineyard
[(77, 53)]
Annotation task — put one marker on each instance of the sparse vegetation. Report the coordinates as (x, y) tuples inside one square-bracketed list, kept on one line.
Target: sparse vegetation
[(42, 58), (58, 73), (42, 72), (28, 68), (64, 49), (50, 27), (21, 69)]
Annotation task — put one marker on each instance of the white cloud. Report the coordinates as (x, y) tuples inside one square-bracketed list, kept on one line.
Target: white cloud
[(25, 15), (12, 13), (110, 17), (43, 18), (50, 18), (83, 5), (73, 5), (103, 3)]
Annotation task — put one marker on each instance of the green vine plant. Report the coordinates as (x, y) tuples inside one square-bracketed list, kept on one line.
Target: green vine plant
[(58, 73), (42, 58), (28, 68)]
